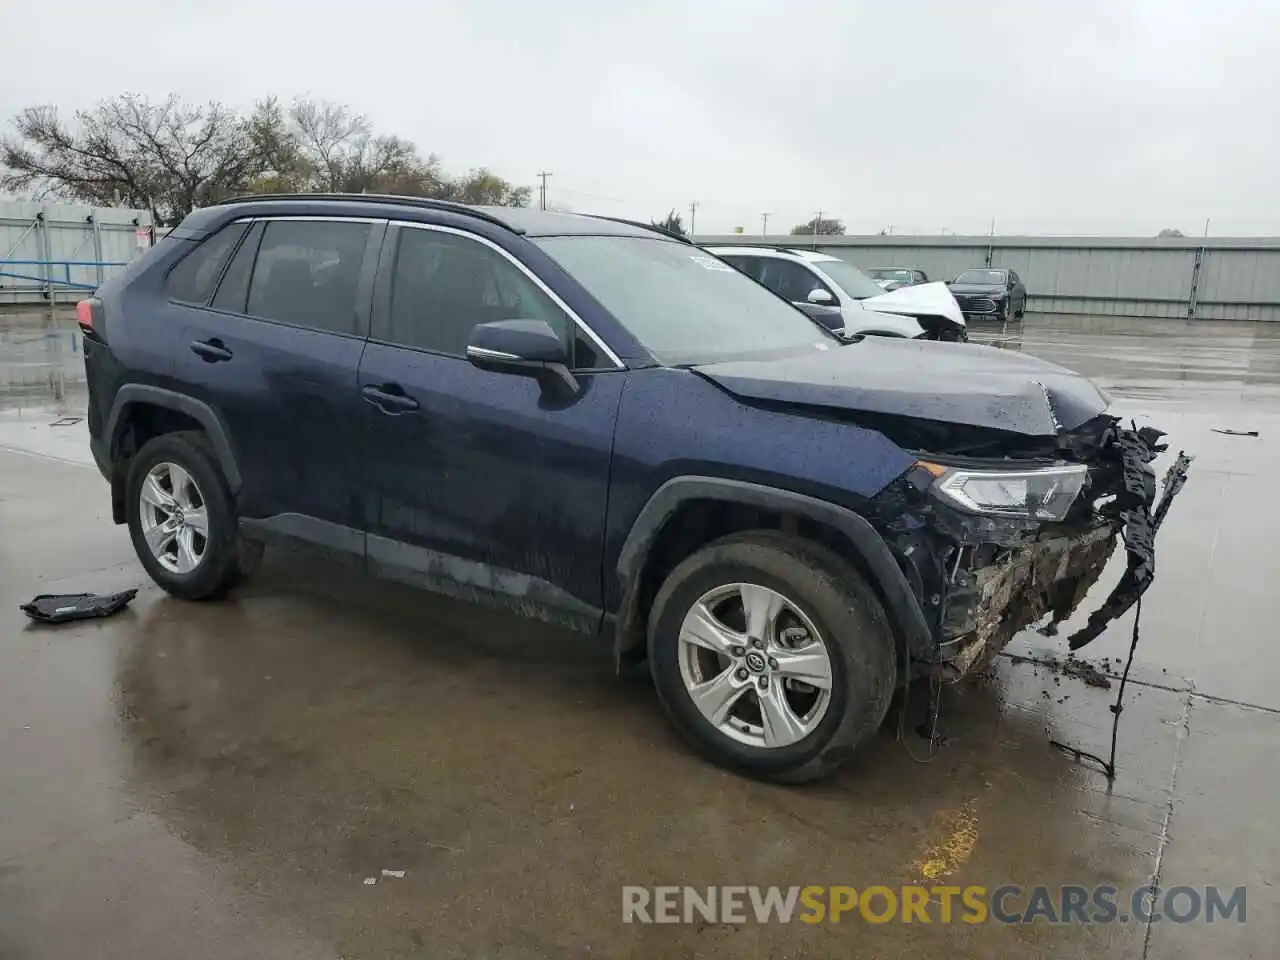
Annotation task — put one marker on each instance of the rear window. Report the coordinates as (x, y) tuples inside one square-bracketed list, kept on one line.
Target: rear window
[(195, 276)]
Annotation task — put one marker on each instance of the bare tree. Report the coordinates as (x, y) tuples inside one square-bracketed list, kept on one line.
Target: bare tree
[(332, 138), (171, 157), (483, 186), (166, 157)]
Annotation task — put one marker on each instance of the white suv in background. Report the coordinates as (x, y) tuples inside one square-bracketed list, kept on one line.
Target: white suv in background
[(839, 295)]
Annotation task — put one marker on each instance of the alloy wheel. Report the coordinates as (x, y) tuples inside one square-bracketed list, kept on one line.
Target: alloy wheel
[(174, 520), (755, 666)]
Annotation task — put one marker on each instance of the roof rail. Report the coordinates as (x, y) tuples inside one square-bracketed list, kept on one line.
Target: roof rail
[(645, 226), (390, 199)]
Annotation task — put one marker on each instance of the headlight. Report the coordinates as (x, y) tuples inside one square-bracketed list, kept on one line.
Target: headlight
[(1044, 494)]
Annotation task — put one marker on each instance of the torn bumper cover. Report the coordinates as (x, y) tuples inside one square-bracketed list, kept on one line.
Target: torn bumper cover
[(986, 578)]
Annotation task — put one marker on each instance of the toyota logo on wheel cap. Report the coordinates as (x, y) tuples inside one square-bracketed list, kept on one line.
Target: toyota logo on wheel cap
[(756, 662)]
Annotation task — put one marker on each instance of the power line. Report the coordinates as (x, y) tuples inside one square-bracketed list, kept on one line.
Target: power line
[(542, 190)]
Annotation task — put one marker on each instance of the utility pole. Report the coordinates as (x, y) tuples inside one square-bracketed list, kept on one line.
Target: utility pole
[(693, 217), (542, 190), (1206, 226), (764, 225), (993, 226), (817, 225)]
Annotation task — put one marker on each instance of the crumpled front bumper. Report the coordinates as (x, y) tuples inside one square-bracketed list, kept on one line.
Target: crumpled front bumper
[(989, 605), (982, 579)]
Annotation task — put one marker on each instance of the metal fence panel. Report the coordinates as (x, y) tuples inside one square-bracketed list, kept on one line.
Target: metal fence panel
[(1212, 278), (66, 247)]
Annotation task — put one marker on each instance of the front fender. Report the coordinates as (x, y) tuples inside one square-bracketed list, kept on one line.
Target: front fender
[(890, 581)]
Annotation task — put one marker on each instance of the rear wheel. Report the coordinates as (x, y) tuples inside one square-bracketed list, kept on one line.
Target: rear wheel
[(771, 655), (182, 518)]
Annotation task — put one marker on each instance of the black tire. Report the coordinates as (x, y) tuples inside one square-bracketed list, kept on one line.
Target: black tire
[(219, 568), (845, 611)]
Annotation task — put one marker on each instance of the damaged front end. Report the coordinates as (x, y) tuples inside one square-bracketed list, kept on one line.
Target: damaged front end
[(993, 546)]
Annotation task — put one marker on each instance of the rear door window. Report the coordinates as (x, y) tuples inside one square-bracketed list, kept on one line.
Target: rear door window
[(307, 273), (195, 276)]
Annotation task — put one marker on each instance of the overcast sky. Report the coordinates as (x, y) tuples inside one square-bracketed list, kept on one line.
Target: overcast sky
[(1093, 116)]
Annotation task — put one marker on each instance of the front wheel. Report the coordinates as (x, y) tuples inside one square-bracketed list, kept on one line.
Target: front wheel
[(772, 656)]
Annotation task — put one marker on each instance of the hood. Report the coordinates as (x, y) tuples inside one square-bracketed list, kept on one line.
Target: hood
[(978, 289), (948, 383), (931, 299)]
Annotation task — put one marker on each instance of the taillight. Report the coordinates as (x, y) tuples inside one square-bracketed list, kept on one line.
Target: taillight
[(89, 317), (84, 314)]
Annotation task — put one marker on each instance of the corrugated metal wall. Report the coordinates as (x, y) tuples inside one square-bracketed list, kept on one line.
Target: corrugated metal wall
[(1210, 279), (93, 239)]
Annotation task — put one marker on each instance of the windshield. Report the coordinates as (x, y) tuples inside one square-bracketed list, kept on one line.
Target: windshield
[(683, 304), (986, 277), (890, 275), (849, 278)]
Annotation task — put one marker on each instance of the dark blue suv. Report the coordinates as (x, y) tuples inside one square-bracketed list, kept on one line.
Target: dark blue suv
[(595, 423)]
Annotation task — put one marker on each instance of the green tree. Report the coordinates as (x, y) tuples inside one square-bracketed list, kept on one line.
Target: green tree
[(822, 228), (672, 223)]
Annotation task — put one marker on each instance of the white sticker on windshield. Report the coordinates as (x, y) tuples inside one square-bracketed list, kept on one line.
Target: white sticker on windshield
[(709, 263)]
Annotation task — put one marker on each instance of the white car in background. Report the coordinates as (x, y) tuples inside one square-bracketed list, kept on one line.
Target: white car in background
[(839, 295)]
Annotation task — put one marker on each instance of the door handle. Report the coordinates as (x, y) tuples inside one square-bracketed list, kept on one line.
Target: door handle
[(210, 351), (390, 398)]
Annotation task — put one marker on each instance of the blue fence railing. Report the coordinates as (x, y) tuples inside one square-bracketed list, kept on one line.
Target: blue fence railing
[(47, 280)]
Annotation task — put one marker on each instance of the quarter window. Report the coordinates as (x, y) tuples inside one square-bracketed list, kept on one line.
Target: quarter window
[(233, 291), (308, 272), (443, 284), (195, 276)]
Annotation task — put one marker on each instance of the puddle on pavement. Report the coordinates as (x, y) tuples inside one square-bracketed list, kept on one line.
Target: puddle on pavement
[(39, 363)]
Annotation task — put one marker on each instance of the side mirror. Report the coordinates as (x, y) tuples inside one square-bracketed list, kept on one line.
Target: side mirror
[(526, 348), (820, 296)]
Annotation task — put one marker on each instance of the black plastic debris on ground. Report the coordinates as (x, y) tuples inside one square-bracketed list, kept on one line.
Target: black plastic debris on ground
[(64, 607), (1235, 433)]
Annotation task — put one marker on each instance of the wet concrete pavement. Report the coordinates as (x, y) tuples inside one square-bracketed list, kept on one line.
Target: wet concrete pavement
[(220, 779)]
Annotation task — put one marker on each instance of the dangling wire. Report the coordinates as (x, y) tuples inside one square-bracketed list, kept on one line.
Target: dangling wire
[(1109, 766)]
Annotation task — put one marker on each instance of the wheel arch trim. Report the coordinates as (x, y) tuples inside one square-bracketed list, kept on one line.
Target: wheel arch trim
[(904, 607), (141, 393)]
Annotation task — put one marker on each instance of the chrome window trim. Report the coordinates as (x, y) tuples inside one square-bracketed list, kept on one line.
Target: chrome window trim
[(581, 324)]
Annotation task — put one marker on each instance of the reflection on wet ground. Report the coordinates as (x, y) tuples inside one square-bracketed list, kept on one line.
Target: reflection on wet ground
[(40, 356), (223, 778)]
